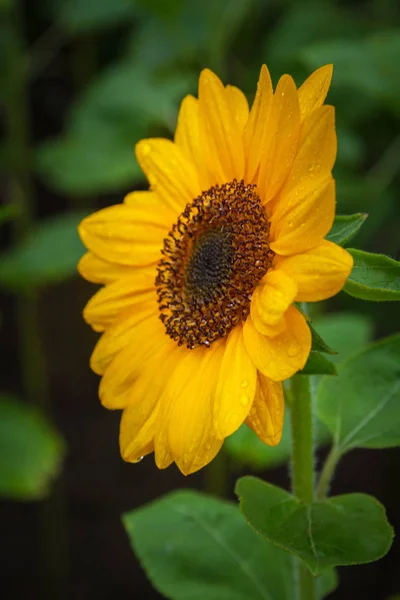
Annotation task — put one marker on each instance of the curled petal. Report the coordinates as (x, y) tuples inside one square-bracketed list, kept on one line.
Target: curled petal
[(280, 357), (270, 301), (267, 412), (320, 273)]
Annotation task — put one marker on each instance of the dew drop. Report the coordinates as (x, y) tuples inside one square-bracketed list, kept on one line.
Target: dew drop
[(293, 349), (244, 384), (244, 399), (138, 459)]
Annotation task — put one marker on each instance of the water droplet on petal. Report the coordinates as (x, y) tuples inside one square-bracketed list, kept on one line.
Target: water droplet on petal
[(244, 400), (138, 459), (293, 349), (244, 384)]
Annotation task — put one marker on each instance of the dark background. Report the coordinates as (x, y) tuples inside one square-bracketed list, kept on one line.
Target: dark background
[(92, 78)]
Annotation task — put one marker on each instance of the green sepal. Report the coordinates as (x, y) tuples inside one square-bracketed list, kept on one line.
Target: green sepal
[(345, 227), (373, 277), (318, 364)]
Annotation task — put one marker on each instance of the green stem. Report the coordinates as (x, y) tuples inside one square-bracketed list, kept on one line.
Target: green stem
[(32, 357), (302, 440), (327, 472), (303, 465), (217, 475)]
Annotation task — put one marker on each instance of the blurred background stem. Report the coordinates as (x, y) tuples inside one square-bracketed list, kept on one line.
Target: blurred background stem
[(303, 466), (33, 370), (216, 476)]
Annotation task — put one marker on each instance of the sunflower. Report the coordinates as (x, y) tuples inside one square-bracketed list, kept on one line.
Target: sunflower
[(200, 273)]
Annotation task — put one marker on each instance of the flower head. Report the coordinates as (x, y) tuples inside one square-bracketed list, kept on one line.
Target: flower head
[(200, 272)]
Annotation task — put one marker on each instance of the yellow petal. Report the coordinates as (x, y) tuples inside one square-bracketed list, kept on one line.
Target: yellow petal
[(313, 92), (282, 139), (239, 106), (319, 273), (185, 424), (280, 357), (115, 339), (236, 385), (148, 339), (257, 125), (190, 136), (139, 419), (267, 412), (125, 235), (121, 298), (270, 301), (151, 202), (137, 432), (170, 173), (95, 269), (316, 153), (306, 222), (221, 125)]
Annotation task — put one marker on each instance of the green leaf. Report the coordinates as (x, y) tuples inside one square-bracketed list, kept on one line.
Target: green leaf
[(248, 450), (49, 254), (362, 406), (30, 451), (318, 364), (197, 547), (345, 228), (374, 277), (344, 530), (347, 333)]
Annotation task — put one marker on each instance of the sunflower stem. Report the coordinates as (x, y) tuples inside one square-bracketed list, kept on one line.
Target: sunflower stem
[(34, 378), (303, 466)]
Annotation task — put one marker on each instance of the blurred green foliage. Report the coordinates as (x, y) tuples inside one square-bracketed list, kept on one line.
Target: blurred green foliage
[(48, 254), (31, 451)]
